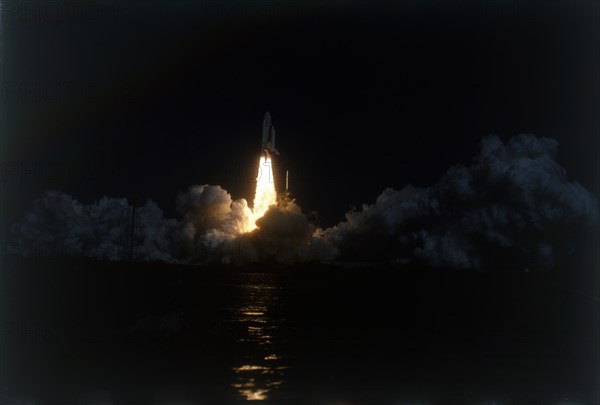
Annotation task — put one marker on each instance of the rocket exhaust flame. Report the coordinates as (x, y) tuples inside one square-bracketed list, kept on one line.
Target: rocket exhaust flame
[(265, 194)]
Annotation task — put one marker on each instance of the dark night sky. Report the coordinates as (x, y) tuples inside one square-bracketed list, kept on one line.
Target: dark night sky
[(158, 96)]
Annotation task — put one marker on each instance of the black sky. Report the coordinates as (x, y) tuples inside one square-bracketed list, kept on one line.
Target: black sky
[(152, 97)]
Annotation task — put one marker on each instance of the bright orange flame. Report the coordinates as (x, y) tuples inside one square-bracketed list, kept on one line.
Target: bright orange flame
[(265, 194)]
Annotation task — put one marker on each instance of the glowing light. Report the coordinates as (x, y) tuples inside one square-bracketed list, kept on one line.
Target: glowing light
[(258, 395), (264, 195), (249, 367)]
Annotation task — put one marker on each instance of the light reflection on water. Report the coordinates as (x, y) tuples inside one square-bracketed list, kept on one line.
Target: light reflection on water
[(260, 365)]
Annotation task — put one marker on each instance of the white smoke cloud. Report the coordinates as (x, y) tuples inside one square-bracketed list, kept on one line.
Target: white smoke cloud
[(212, 231), (513, 201), (283, 236), (203, 209), (57, 224)]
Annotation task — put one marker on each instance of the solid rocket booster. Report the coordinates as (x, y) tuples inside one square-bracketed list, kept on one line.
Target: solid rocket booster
[(268, 136)]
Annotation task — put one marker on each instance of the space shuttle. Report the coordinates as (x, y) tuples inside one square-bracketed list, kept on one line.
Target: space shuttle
[(268, 136)]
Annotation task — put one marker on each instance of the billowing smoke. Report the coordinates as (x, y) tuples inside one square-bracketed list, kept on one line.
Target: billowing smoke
[(283, 236), (205, 210), (213, 229), (514, 201), (57, 224)]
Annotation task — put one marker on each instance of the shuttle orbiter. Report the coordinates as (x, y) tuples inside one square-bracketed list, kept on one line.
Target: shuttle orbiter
[(268, 136)]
